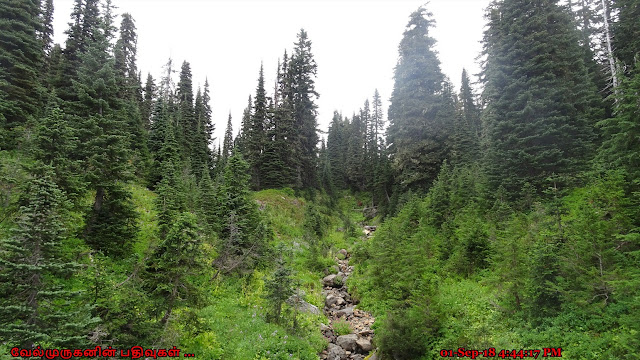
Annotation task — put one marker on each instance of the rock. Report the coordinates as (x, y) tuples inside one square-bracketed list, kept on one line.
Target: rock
[(357, 357), (346, 312), (303, 306), (335, 352), (373, 357), (364, 345), (329, 280), (324, 327), (343, 252), (331, 299), (347, 342)]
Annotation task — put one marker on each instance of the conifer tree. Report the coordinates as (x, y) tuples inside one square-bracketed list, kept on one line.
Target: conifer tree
[(541, 103), (175, 264), (302, 70), (355, 154), (243, 235), (147, 103), (255, 138), (279, 153), (46, 30), (626, 33), (240, 140), (227, 145), (34, 307), (416, 129), (377, 116), (621, 133), (337, 149), (187, 126), (21, 59), (55, 145), (111, 223), (125, 60)]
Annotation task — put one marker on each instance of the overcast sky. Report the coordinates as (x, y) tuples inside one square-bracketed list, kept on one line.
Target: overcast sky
[(354, 42)]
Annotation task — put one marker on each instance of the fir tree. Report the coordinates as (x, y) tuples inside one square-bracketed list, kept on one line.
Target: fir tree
[(174, 266), (541, 103), (243, 235), (416, 130), (255, 137), (278, 289), (21, 59), (55, 143), (147, 103), (626, 33), (355, 154), (337, 149), (227, 145), (110, 224), (187, 126), (302, 71), (34, 308)]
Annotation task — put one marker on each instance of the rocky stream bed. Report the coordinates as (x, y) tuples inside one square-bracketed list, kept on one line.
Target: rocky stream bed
[(340, 307)]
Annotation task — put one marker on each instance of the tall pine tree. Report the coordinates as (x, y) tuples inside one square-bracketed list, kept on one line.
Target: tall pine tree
[(416, 130)]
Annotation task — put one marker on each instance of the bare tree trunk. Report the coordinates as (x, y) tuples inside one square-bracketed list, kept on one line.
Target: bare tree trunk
[(610, 57)]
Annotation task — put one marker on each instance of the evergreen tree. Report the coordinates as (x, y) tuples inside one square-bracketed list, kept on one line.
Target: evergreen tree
[(240, 141), (302, 70), (355, 154), (83, 31), (337, 149), (147, 103), (626, 33), (377, 117), (125, 60), (34, 307), (255, 138), (416, 130), (187, 126), (46, 30), (110, 224), (21, 59), (227, 145), (55, 145), (243, 235), (279, 153), (463, 142), (174, 266), (621, 134), (541, 103), (278, 289), (470, 111)]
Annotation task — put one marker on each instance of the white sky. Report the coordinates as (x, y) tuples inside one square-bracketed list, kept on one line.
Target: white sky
[(354, 42)]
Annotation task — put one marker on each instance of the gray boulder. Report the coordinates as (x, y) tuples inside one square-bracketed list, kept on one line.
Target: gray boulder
[(335, 352), (347, 342), (364, 345)]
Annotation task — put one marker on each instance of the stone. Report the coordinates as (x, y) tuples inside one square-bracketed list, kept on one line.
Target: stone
[(364, 345), (329, 280), (373, 357), (302, 306), (343, 252), (347, 342), (335, 352), (331, 299), (324, 327), (346, 312)]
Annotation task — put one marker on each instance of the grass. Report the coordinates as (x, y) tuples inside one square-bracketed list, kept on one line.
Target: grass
[(342, 327)]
